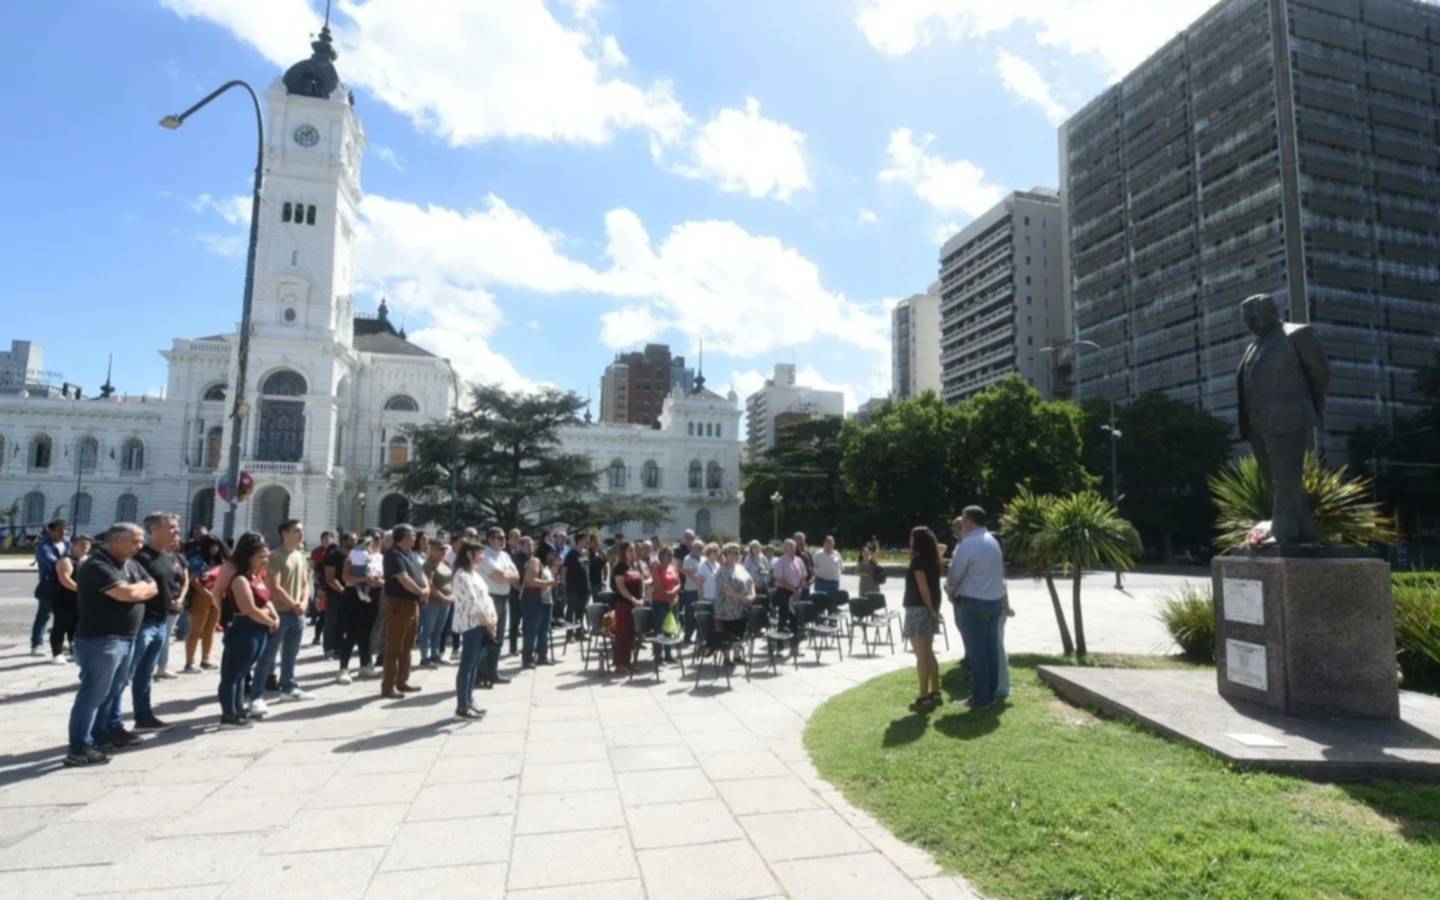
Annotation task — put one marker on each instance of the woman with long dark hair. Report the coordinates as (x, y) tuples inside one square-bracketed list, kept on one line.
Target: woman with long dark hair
[(629, 585), (204, 601), (255, 620), (536, 599), (477, 624), (922, 617)]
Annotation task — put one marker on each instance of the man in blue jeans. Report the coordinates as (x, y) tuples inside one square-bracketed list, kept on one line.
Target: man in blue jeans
[(113, 589), (168, 571), (51, 547), (289, 583), (976, 585)]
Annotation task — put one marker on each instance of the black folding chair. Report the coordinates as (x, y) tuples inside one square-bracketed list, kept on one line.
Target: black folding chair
[(710, 643), (597, 642)]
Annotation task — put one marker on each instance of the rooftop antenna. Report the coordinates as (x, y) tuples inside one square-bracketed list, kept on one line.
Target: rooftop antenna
[(700, 371), (107, 390)]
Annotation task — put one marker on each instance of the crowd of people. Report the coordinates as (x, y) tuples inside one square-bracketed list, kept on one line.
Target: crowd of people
[(119, 602)]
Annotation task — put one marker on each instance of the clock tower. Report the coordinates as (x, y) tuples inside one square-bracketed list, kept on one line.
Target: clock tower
[(305, 256)]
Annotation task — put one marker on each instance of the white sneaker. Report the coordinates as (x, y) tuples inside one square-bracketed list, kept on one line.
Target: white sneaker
[(258, 707), (368, 672), (57, 660), (343, 677), (296, 694), (36, 651), (445, 658)]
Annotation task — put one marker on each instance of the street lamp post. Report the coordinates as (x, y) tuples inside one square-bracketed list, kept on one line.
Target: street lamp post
[(775, 500), (238, 407), (361, 497)]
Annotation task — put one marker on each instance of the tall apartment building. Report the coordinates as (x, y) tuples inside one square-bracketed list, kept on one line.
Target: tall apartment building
[(634, 386), (781, 402), (1281, 146), (1001, 296), (915, 345)]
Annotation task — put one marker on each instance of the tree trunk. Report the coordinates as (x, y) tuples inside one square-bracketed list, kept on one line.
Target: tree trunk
[(1065, 643), (1081, 651)]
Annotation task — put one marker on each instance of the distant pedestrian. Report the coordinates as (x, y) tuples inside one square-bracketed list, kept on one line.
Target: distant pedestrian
[(113, 589), (439, 606), (254, 621), (629, 585), (476, 623), (167, 570), (828, 567), (48, 551), (204, 601), (576, 569), (869, 571), (64, 603), (405, 590), (734, 595), (501, 576), (288, 580), (175, 611), (536, 606)]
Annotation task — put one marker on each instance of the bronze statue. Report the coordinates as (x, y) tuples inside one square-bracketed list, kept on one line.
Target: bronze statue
[(1282, 382)]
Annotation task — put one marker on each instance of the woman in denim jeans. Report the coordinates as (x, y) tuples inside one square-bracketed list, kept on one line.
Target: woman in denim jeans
[(255, 619), (477, 624), (438, 605)]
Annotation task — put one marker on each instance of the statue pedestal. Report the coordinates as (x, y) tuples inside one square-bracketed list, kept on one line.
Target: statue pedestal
[(1306, 636)]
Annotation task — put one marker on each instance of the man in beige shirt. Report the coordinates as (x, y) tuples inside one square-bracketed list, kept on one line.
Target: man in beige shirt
[(290, 584)]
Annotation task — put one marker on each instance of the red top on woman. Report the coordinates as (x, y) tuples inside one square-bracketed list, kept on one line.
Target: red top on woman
[(667, 585), (258, 590)]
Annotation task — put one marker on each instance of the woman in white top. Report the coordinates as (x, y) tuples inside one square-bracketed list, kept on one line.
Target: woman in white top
[(707, 571), (476, 623), (828, 566)]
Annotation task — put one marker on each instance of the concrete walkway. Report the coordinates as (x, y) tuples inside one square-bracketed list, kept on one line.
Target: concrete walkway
[(573, 785)]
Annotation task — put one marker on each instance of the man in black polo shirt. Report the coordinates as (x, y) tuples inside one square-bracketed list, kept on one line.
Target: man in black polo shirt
[(112, 590), (577, 579), (405, 589), (167, 570)]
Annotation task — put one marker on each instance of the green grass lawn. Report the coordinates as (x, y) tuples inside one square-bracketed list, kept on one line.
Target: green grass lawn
[(1040, 799)]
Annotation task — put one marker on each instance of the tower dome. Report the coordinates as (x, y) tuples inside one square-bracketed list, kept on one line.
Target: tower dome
[(316, 76)]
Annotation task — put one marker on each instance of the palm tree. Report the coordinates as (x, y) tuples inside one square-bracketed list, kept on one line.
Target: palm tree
[(1021, 525), (1085, 531), (1343, 513)]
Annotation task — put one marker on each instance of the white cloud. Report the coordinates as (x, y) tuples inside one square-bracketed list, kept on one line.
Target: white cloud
[(230, 246), (1025, 81), (629, 326), (387, 156), (866, 217), (744, 383), (1118, 34), (743, 152), (234, 210), (469, 71), (948, 186)]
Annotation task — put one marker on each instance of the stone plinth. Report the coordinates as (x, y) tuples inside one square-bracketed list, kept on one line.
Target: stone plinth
[(1306, 636)]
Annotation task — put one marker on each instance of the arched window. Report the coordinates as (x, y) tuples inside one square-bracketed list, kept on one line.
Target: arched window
[(650, 475), (41, 448), (399, 451), (89, 453), (691, 428), (213, 393), (202, 507), (394, 509), (127, 508), (718, 426), (213, 437), (310, 215), (33, 512), (713, 476), (284, 383), (285, 212), (697, 473), (132, 457), (282, 422), (402, 403), (617, 473), (702, 523), (80, 509)]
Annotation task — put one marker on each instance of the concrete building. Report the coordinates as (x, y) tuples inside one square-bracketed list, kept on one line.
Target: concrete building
[(1281, 146), (1001, 296), (782, 401), (329, 390), (22, 371), (868, 409), (915, 345), (690, 462), (634, 387)]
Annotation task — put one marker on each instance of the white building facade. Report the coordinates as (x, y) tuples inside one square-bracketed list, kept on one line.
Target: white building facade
[(328, 391), (781, 401), (691, 463)]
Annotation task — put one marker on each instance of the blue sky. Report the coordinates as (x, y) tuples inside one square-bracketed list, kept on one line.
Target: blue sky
[(547, 182)]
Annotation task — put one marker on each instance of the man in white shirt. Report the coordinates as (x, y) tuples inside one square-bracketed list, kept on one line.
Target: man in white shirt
[(690, 590), (976, 585), (500, 574)]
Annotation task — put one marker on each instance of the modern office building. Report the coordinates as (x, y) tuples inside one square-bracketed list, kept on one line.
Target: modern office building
[(634, 386), (1281, 146), (1001, 296), (915, 345), (781, 402)]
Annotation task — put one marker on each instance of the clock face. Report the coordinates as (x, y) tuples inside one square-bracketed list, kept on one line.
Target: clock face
[(307, 136)]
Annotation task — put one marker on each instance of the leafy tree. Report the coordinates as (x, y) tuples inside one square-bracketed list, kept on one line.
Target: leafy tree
[(1016, 438), (499, 462), (1341, 506), (1400, 459), (1085, 531), (1167, 451), (1021, 525), (804, 466), (906, 465)]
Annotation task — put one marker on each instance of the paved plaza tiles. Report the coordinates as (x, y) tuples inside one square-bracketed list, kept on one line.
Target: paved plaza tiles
[(572, 786)]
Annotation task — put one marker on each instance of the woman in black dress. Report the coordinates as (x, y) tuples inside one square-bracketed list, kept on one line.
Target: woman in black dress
[(922, 617)]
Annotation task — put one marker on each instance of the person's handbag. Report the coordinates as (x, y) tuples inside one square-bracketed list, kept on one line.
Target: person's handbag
[(880, 576), (670, 627)]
